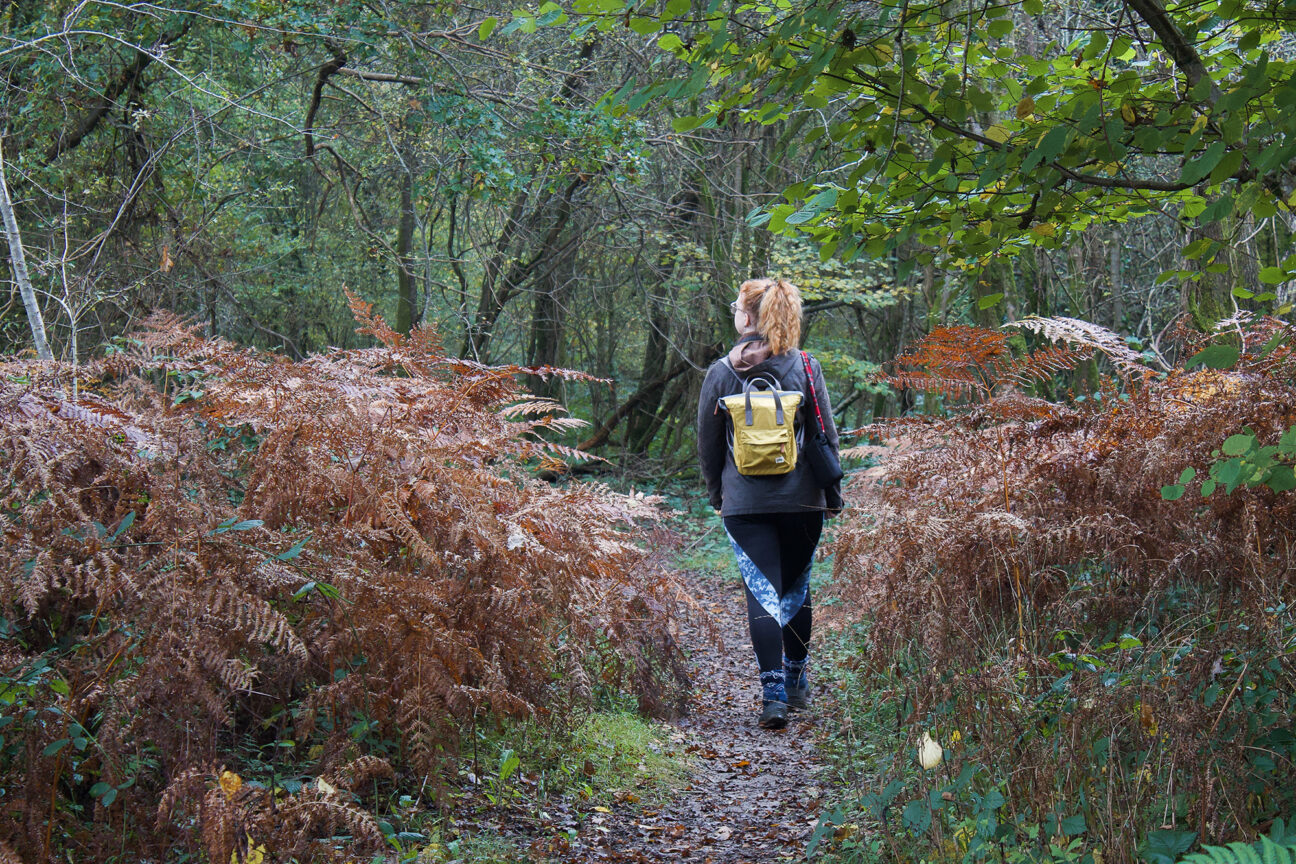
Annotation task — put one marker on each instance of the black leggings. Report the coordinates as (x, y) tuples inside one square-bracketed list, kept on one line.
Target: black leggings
[(778, 548)]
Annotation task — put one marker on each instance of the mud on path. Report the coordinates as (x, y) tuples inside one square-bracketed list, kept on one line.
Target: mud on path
[(752, 794)]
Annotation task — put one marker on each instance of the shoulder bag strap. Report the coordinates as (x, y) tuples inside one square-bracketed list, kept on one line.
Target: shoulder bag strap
[(805, 358), (728, 364)]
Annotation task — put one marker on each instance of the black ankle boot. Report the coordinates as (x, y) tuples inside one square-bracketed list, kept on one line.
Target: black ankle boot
[(798, 697), (773, 716)]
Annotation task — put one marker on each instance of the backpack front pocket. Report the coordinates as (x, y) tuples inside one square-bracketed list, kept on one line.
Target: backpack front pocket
[(765, 451)]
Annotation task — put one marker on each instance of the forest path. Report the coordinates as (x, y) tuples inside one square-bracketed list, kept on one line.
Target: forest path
[(752, 794)]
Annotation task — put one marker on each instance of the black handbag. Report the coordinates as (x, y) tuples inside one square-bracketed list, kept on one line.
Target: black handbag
[(818, 451)]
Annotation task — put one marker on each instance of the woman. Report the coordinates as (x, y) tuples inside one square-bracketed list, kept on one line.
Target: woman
[(773, 521)]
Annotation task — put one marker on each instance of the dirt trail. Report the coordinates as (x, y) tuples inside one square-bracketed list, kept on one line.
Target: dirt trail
[(752, 796)]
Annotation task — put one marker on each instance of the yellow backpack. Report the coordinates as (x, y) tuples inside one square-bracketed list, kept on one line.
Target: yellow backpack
[(763, 419)]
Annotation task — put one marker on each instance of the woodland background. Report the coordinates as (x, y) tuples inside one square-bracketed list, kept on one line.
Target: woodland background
[(528, 192), (1070, 209)]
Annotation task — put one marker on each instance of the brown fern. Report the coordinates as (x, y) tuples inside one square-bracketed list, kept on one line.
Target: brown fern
[(390, 556), (964, 362), (1017, 522)]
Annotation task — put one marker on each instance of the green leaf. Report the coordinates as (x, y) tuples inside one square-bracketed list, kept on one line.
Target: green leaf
[(108, 798), (1165, 847), (1229, 473), (508, 764), (55, 747), (551, 13), (1219, 208), (99, 789), (294, 550), (1208, 486), (645, 26), (1187, 474), (1236, 445), (1244, 853), (670, 42), (1287, 442), (1049, 147), (487, 27), (1197, 169), (232, 524), (1172, 493), (1073, 825), (686, 124), (1242, 293), (1273, 275), (1279, 339), (917, 816), (1215, 357), (1282, 479), (1227, 166), (127, 521), (815, 206), (992, 800), (989, 300)]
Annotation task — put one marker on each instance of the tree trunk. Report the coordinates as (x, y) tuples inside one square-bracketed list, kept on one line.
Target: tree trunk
[(406, 289), (548, 326), (642, 426), (1208, 299), (18, 261)]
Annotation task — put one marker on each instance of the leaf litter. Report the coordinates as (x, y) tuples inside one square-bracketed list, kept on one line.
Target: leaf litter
[(751, 795)]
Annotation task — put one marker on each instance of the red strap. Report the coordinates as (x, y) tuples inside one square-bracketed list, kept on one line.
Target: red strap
[(805, 358)]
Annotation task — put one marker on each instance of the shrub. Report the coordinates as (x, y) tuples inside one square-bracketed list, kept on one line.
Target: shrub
[(1117, 665), (239, 591)]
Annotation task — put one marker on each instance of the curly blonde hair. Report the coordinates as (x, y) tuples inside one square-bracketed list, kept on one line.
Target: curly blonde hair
[(776, 306)]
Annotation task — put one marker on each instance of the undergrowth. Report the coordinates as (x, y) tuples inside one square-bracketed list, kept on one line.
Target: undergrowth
[(244, 598), (1108, 665)]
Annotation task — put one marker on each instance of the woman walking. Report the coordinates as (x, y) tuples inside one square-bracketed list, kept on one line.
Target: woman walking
[(773, 520)]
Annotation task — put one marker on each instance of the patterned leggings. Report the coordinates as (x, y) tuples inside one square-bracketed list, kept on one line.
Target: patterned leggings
[(775, 552)]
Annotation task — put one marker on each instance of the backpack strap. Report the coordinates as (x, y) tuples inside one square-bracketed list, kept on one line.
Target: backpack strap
[(772, 387), (728, 364), (805, 358)]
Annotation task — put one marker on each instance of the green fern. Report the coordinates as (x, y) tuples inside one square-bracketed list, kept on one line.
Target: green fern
[(1278, 848)]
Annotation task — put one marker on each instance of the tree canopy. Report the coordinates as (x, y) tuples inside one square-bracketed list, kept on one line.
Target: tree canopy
[(981, 129)]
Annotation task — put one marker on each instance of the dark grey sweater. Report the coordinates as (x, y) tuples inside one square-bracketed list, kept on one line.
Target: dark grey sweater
[(736, 495)]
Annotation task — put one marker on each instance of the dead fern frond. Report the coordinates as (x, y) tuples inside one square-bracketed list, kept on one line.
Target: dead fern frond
[(530, 408), (964, 362), (1128, 363), (1042, 365), (364, 771)]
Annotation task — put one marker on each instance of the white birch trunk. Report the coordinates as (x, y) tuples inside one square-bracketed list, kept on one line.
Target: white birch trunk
[(19, 263)]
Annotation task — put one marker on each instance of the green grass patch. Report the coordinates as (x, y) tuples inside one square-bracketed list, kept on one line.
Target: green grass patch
[(627, 752)]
